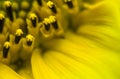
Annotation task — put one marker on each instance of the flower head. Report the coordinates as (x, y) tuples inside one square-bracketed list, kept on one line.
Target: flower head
[(59, 39)]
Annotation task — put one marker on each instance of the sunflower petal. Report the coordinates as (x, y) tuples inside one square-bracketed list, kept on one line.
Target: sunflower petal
[(6, 72), (101, 23), (40, 69), (84, 58)]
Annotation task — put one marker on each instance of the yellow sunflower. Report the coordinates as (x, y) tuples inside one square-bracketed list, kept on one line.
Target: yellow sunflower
[(59, 39)]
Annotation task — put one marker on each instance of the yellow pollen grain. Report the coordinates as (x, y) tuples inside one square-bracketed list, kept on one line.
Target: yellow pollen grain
[(7, 44), (52, 18), (19, 32), (29, 37), (32, 16), (46, 20), (50, 4), (2, 16), (8, 3)]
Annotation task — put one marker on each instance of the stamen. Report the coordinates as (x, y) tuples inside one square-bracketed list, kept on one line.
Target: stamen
[(54, 22), (69, 3), (9, 11), (33, 19), (2, 19), (18, 35), (46, 29), (46, 23), (58, 29), (51, 5), (40, 2), (29, 39), (6, 48)]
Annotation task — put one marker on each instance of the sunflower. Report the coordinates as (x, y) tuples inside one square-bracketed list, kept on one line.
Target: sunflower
[(59, 39)]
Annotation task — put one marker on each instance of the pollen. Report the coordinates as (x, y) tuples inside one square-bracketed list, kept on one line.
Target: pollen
[(19, 32), (32, 16), (46, 21), (52, 18), (2, 16), (8, 3), (50, 4), (29, 37), (6, 44)]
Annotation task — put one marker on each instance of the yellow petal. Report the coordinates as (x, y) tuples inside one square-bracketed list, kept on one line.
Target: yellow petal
[(83, 58), (101, 23), (40, 69), (6, 72)]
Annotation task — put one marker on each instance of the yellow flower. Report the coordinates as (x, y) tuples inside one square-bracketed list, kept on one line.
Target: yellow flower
[(59, 39)]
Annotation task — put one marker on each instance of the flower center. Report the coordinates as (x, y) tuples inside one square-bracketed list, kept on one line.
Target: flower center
[(25, 25)]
